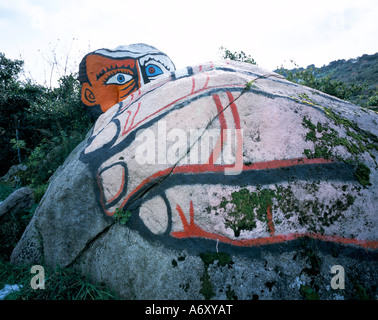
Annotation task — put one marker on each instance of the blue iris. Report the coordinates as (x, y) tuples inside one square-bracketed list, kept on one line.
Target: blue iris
[(153, 70), (118, 78), (121, 78)]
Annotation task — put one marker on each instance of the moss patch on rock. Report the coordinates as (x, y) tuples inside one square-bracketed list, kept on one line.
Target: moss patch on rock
[(247, 207), (362, 174), (355, 140), (209, 258)]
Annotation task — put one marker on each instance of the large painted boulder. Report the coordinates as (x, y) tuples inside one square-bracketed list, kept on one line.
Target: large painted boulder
[(220, 180)]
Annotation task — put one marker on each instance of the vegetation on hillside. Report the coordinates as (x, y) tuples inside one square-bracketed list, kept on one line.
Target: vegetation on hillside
[(354, 80)]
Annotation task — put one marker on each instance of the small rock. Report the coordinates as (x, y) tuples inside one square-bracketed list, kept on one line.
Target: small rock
[(20, 200), (9, 289), (11, 177)]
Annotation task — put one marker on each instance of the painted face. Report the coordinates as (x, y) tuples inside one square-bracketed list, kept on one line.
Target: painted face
[(112, 75), (110, 81)]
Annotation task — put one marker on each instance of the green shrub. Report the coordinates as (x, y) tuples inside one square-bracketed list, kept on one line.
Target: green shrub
[(48, 156), (11, 229), (35, 120), (5, 191), (236, 56)]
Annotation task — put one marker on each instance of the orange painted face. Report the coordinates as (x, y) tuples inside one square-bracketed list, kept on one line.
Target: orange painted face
[(109, 76), (110, 81)]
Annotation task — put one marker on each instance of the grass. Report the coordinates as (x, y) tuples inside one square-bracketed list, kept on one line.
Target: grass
[(12, 227), (60, 283), (5, 191)]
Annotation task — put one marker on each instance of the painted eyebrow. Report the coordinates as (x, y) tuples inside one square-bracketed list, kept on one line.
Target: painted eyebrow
[(112, 67), (156, 60)]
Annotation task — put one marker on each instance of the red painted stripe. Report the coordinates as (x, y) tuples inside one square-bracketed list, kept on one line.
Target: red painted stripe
[(126, 131), (179, 99), (239, 149), (142, 93), (222, 119), (195, 232), (193, 85), (199, 168), (191, 212), (206, 83), (136, 112), (223, 124), (182, 217), (127, 121), (234, 110), (270, 221), (274, 164)]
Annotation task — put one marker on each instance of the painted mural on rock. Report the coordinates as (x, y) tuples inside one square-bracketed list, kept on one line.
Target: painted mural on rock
[(109, 76), (198, 161)]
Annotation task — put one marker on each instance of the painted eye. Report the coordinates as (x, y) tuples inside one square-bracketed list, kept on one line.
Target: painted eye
[(119, 78), (153, 70)]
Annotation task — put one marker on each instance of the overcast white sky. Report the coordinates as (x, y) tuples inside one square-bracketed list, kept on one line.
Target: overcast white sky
[(271, 31)]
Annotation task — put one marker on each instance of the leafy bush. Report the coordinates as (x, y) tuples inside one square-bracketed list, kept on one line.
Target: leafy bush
[(307, 77), (58, 115), (59, 109), (236, 56), (15, 98), (34, 120), (48, 156), (354, 80), (5, 191), (11, 230)]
